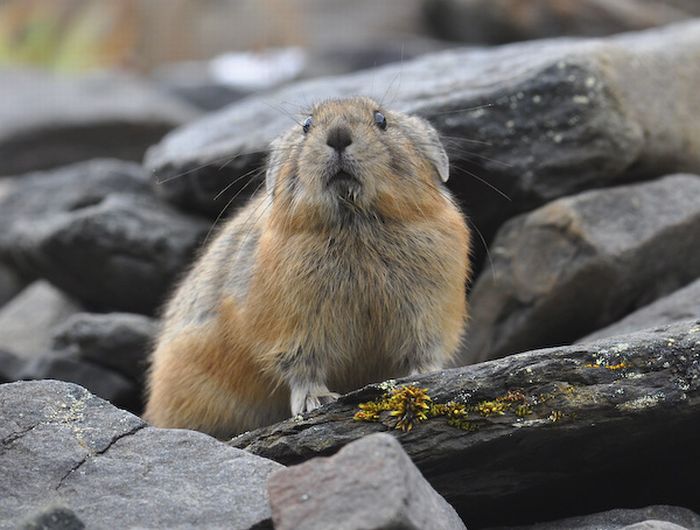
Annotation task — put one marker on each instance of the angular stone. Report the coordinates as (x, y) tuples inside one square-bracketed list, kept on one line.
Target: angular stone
[(583, 262), (116, 341), (371, 484), (537, 120), (62, 445), (589, 428), (48, 120), (489, 22), (674, 517), (683, 304), (112, 247), (26, 322)]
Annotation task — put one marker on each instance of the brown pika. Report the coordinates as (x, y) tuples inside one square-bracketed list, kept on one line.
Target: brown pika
[(349, 268)]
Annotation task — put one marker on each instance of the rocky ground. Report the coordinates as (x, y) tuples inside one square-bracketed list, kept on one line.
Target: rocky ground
[(578, 160)]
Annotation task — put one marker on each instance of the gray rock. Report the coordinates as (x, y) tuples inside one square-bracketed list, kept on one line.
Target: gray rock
[(103, 239), (62, 445), (11, 367), (53, 518), (26, 322), (499, 21), (583, 262), (49, 120), (674, 517), (106, 384), (10, 284), (537, 120), (586, 428), (116, 341), (371, 484), (683, 304)]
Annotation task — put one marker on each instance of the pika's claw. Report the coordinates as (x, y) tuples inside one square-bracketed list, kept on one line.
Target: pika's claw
[(306, 398)]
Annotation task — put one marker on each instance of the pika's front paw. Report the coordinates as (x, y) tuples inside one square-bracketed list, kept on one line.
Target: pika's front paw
[(306, 398)]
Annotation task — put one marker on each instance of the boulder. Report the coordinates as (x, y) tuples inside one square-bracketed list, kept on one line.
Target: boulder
[(500, 21), (583, 262), (674, 517), (63, 446), (26, 322), (370, 484), (102, 237), (683, 304), (48, 120), (536, 436), (116, 341), (535, 120)]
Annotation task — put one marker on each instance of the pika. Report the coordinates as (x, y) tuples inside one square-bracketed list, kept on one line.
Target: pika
[(349, 268)]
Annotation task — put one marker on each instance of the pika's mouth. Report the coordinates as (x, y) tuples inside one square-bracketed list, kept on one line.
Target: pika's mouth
[(342, 177)]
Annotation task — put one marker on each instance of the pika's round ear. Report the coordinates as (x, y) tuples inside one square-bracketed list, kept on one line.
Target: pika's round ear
[(426, 138)]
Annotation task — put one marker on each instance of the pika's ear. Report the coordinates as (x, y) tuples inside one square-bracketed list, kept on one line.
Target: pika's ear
[(426, 138)]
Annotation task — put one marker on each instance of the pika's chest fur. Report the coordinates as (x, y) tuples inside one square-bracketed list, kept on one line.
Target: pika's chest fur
[(363, 297)]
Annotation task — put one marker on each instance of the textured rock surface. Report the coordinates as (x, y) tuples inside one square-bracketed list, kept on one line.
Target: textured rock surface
[(371, 484), (564, 115), (61, 445), (53, 518), (610, 423), (683, 304), (47, 120), (26, 322), (583, 262), (498, 21), (622, 519), (101, 237), (117, 341)]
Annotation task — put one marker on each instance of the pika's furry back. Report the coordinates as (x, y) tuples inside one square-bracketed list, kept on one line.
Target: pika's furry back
[(348, 269)]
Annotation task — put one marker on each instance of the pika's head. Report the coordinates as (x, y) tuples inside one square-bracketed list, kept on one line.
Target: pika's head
[(352, 156)]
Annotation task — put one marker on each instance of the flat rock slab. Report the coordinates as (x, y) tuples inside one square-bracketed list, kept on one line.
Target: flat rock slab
[(370, 484), (59, 445), (602, 425), (102, 236), (674, 517), (48, 120), (683, 304), (537, 120), (26, 322), (583, 262)]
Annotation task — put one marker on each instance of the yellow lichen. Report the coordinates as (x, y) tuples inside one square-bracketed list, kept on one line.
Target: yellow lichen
[(404, 407), (408, 404)]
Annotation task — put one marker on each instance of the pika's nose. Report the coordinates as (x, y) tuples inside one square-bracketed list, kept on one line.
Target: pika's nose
[(339, 138)]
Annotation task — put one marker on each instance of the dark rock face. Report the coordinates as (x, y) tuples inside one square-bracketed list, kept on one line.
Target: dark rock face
[(582, 262), (53, 518), (683, 304), (371, 484), (62, 445), (673, 516), (47, 121), (538, 121), (102, 238), (10, 284), (500, 21), (26, 322), (602, 424), (117, 341)]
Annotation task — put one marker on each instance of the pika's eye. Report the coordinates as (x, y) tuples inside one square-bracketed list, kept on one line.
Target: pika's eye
[(308, 122), (380, 120)]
